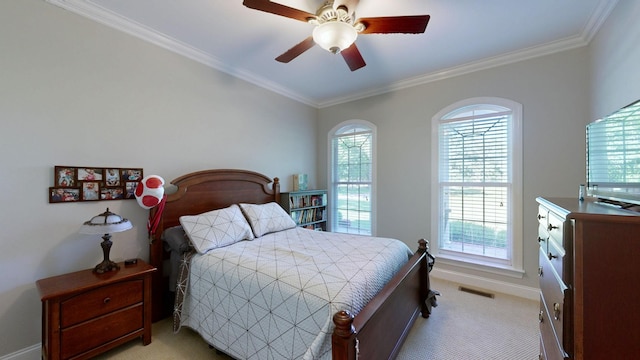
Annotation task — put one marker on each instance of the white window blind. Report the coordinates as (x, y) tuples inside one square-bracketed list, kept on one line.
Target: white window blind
[(475, 182), (352, 180)]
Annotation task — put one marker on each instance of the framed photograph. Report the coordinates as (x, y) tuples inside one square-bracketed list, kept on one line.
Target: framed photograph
[(131, 175), (65, 176), (63, 194), (90, 174), (90, 190), (107, 193), (112, 177), (130, 189)]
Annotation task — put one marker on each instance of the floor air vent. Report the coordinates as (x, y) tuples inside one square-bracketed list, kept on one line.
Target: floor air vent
[(476, 292)]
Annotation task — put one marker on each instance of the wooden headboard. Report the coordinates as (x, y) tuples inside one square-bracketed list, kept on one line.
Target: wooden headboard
[(199, 192)]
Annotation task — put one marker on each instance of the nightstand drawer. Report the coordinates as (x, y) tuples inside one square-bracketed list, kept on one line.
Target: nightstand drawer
[(100, 301), (78, 339)]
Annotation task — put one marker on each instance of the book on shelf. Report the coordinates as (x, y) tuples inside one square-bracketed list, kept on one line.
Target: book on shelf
[(299, 182)]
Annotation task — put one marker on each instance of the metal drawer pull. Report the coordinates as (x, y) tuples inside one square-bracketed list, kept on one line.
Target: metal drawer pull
[(556, 311), (541, 316), (540, 217), (540, 239), (106, 300), (540, 271), (551, 256), (551, 227)]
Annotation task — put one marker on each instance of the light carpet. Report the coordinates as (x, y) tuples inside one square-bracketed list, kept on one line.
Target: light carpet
[(463, 326)]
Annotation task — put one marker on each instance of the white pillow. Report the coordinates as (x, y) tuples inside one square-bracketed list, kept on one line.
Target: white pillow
[(267, 218), (216, 228)]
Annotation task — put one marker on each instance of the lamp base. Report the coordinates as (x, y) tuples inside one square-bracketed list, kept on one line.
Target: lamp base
[(106, 266)]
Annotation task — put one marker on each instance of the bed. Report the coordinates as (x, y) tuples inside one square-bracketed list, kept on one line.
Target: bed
[(375, 324)]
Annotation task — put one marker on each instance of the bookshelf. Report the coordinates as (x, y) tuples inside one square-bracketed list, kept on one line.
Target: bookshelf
[(307, 208)]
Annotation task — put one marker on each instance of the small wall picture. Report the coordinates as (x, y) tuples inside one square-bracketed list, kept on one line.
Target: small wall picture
[(111, 194), (112, 177), (131, 174), (89, 174), (130, 189), (65, 176), (63, 194), (90, 190)]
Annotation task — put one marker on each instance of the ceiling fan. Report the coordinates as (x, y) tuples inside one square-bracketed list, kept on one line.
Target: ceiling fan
[(337, 27)]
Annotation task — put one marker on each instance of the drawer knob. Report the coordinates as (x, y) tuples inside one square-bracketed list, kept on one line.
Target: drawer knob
[(106, 300), (540, 239), (540, 271), (551, 227), (551, 256), (540, 217), (540, 316), (556, 311)]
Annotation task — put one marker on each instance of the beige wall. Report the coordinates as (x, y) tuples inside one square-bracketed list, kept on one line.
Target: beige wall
[(73, 92), (615, 59)]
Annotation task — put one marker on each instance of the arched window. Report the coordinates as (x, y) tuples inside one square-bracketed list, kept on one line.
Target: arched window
[(352, 173), (477, 185)]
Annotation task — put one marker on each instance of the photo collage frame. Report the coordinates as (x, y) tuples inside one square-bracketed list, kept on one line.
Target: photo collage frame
[(75, 183)]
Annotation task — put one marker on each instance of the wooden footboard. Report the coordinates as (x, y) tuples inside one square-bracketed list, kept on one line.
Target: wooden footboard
[(379, 330)]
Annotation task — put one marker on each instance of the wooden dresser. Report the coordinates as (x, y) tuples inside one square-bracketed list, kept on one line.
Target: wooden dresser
[(588, 268), (85, 313)]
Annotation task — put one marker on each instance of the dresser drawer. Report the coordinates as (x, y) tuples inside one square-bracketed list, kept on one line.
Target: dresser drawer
[(556, 257), (543, 216), (543, 236), (550, 348), (553, 298), (556, 229), (89, 335), (100, 301)]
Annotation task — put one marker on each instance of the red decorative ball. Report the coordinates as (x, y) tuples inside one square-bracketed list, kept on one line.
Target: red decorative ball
[(150, 191)]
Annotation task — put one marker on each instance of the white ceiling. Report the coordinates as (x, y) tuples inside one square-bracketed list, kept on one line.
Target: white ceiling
[(462, 36)]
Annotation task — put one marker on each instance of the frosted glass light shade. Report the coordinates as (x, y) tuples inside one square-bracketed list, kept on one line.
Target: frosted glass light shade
[(105, 223), (334, 36)]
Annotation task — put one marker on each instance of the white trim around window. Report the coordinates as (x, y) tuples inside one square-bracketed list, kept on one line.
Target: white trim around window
[(511, 265)]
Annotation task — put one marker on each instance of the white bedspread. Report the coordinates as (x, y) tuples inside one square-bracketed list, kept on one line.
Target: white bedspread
[(274, 297)]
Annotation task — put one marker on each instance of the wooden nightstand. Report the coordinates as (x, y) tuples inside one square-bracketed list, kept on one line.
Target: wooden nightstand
[(85, 313)]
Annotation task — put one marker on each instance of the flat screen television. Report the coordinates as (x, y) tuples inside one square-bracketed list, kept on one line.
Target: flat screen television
[(613, 157)]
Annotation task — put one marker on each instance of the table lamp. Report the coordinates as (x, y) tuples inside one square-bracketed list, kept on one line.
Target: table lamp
[(105, 223)]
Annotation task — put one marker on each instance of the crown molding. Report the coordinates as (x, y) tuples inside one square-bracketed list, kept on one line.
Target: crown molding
[(101, 15)]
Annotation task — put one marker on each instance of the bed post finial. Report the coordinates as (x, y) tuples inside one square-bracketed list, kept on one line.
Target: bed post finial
[(276, 189), (343, 340), (423, 246)]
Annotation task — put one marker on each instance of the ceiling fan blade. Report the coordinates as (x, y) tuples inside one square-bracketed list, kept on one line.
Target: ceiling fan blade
[(353, 57), (415, 24), (278, 9), (295, 51)]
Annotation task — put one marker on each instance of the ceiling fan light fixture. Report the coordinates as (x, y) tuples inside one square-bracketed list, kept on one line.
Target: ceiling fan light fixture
[(334, 36)]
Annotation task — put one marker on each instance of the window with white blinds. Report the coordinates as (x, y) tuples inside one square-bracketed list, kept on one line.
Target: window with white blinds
[(476, 188), (614, 149), (352, 163)]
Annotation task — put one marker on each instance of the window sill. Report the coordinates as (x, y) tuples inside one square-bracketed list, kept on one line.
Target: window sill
[(476, 265)]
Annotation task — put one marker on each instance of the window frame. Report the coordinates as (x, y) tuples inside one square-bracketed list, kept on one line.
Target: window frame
[(514, 267), (332, 195)]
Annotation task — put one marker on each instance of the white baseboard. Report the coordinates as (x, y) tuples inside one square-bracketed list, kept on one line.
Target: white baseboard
[(32, 352), (478, 282)]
